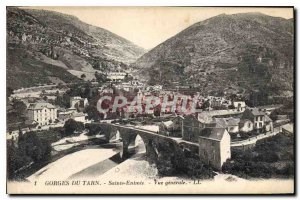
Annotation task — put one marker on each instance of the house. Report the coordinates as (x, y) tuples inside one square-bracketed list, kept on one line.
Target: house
[(76, 102), (208, 116), (245, 125), (239, 105), (172, 127), (268, 124), (42, 113), (65, 115), (192, 127), (216, 102), (116, 76), (261, 122), (165, 127), (214, 146), (230, 124), (177, 123), (106, 90), (79, 117), (288, 129), (71, 114)]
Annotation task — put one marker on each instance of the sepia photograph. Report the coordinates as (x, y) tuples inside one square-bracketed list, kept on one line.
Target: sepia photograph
[(150, 100)]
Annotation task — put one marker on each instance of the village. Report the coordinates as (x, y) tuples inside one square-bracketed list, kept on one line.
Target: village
[(221, 124)]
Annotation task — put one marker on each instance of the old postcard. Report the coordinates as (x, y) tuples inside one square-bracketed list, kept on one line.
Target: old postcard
[(150, 100)]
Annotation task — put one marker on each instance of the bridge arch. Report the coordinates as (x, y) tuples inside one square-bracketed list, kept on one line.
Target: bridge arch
[(156, 147)]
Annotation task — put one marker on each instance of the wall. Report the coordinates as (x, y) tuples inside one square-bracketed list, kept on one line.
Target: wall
[(191, 129), (209, 151), (247, 126), (225, 148)]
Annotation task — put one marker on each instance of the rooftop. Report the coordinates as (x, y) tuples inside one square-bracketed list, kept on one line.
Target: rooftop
[(225, 122), (257, 111), (213, 133), (289, 127), (40, 106)]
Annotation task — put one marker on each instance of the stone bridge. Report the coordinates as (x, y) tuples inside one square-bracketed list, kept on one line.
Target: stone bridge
[(157, 146)]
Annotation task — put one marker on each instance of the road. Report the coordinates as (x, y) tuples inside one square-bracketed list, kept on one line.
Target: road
[(253, 140)]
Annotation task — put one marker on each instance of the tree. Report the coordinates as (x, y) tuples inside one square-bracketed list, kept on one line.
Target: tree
[(101, 78), (92, 113), (43, 93), (83, 76), (15, 160), (128, 78), (63, 101), (231, 107), (93, 128), (71, 126), (9, 91), (16, 114), (34, 147), (206, 104)]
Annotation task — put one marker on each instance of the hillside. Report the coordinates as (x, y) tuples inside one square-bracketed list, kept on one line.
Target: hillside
[(229, 53), (41, 39)]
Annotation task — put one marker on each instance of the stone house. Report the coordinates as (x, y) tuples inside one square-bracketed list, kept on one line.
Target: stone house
[(42, 113), (239, 105), (78, 103), (192, 127), (261, 122), (231, 124), (214, 146), (172, 127), (245, 125)]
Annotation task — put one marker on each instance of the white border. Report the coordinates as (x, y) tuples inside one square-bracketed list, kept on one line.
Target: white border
[(5, 3)]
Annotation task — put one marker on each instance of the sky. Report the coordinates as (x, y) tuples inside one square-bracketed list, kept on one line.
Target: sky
[(147, 27)]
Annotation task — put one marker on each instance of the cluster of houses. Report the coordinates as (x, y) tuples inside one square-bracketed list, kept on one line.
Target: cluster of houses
[(213, 130), (117, 76), (43, 113)]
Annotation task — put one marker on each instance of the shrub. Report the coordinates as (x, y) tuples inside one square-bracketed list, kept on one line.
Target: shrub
[(71, 126), (93, 129)]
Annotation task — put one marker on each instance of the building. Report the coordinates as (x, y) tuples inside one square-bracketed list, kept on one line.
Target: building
[(64, 116), (245, 125), (42, 113), (214, 146), (78, 103), (268, 124), (231, 124), (74, 101), (105, 90), (208, 116), (116, 76), (192, 127), (239, 105), (165, 127), (172, 127), (79, 117), (261, 122), (288, 129)]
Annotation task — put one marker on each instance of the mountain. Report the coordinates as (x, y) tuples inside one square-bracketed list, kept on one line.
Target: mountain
[(46, 47), (227, 53)]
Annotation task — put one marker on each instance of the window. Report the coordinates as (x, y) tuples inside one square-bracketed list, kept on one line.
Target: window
[(214, 154), (249, 125), (260, 124)]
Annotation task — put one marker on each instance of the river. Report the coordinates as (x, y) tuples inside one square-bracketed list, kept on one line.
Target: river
[(90, 162)]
